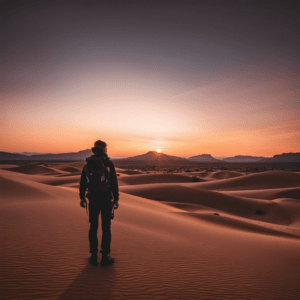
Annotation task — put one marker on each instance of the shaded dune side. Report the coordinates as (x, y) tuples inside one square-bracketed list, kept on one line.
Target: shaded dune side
[(239, 206), (218, 174), (263, 180), (225, 175), (152, 178), (291, 208)]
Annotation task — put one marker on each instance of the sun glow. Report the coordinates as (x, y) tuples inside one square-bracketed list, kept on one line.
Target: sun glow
[(158, 150)]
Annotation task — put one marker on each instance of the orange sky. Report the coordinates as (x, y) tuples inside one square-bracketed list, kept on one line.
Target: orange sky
[(230, 88), (243, 113)]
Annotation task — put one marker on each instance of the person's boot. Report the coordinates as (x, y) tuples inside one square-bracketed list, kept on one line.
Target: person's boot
[(106, 260), (93, 259)]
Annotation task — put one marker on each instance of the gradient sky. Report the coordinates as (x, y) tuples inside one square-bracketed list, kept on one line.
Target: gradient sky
[(189, 77)]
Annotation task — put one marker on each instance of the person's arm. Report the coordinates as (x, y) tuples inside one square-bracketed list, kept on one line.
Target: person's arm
[(82, 188), (114, 183)]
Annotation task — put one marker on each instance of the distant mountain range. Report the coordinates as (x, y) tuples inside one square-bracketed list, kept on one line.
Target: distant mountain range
[(152, 157), (81, 155)]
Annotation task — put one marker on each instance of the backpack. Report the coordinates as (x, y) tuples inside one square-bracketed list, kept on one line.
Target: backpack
[(97, 175)]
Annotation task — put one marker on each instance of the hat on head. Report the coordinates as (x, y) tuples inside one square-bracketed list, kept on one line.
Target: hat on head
[(99, 146)]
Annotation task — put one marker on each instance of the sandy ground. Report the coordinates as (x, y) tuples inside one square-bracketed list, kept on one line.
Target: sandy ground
[(232, 236)]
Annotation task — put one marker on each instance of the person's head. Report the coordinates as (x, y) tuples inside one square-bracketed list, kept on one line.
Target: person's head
[(99, 146)]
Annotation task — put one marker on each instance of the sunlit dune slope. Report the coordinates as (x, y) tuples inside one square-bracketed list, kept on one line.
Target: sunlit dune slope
[(19, 188), (55, 179)]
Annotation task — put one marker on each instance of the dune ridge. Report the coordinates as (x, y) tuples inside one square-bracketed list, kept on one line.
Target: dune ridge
[(218, 174), (269, 194), (36, 169), (153, 178), (263, 180)]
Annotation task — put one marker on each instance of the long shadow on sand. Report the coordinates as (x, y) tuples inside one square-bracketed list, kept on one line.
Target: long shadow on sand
[(92, 283)]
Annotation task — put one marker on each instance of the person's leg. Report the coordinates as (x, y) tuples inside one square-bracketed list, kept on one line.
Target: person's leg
[(94, 223), (106, 234), (106, 223)]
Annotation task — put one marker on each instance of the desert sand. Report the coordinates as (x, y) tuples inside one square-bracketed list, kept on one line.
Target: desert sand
[(232, 236)]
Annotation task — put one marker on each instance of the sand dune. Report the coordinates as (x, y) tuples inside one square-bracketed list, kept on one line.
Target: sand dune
[(290, 207), (70, 169), (217, 175), (55, 178), (128, 172), (75, 164), (7, 166), (242, 224), (73, 167), (269, 194), (185, 243), (19, 188), (263, 180), (239, 206), (36, 169), (59, 180), (152, 178)]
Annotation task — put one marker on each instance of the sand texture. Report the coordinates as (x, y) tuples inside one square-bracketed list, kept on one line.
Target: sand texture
[(231, 236)]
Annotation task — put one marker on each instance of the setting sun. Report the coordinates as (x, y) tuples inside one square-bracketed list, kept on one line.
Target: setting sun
[(158, 150)]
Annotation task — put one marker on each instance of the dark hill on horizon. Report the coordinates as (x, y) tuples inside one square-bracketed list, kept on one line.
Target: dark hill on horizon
[(81, 155), (243, 159), (207, 158), (153, 157), (12, 156), (283, 158)]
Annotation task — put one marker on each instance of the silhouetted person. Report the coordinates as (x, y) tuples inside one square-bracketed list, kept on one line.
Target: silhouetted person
[(99, 179)]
